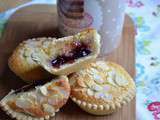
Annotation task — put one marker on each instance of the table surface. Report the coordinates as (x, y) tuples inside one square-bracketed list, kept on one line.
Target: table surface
[(25, 23)]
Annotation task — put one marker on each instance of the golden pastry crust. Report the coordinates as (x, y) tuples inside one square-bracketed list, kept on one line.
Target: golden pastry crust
[(21, 62), (38, 104), (102, 87), (63, 46), (33, 56)]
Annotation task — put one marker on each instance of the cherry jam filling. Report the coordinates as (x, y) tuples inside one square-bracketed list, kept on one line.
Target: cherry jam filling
[(79, 50)]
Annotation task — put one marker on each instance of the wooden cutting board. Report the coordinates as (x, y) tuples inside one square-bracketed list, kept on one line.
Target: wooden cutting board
[(41, 20)]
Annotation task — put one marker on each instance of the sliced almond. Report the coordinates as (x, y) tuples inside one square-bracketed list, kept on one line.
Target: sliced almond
[(48, 108), (43, 90), (93, 71), (102, 65), (90, 92), (98, 78), (45, 44), (89, 83), (111, 81), (27, 53), (96, 87), (121, 81), (23, 103)]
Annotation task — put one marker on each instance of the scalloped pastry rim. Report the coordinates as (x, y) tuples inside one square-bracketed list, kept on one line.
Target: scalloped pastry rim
[(113, 106)]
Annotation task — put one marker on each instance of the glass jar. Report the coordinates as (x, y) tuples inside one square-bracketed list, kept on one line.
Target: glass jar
[(104, 15)]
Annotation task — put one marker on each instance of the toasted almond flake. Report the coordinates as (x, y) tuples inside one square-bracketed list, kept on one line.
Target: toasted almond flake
[(23, 103), (43, 90), (32, 96), (97, 78), (27, 53), (34, 57), (89, 83), (90, 92), (102, 65), (96, 87), (111, 81), (48, 108), (45, 44), (121, 81), (93, 71), (111, 73)]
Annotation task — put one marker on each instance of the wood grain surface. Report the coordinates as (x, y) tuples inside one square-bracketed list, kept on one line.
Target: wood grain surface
[(41, 20)]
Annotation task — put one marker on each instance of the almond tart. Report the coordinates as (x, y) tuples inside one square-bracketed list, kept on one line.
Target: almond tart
[(37, 101), (101, 88), (62, 56)]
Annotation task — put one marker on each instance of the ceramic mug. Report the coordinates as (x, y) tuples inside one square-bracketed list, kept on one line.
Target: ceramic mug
[(105, 15)]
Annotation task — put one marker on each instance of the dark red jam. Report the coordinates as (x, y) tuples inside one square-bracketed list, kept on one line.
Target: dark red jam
[(79, 50)]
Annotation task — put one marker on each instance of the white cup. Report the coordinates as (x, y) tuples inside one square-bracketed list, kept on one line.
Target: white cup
[(107, 16)]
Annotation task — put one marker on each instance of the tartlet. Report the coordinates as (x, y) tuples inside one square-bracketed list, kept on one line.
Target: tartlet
[(38, 101), (34, 59), (102, 87)]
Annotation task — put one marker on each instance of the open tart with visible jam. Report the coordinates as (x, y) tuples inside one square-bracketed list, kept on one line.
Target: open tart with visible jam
[(35, 59), (69, 54)]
